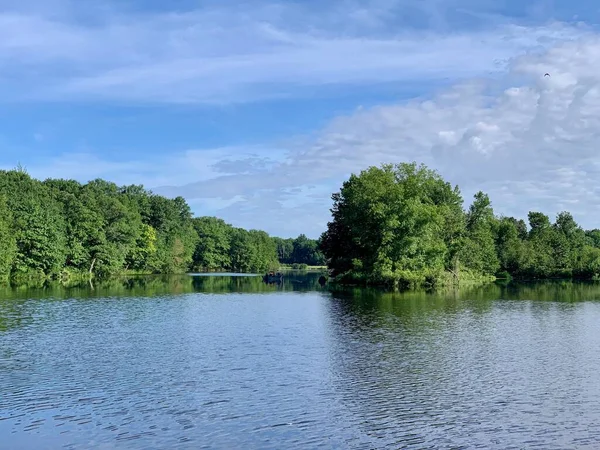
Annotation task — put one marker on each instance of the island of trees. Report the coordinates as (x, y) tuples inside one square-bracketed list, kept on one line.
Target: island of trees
[(403, 225), (62, 229)]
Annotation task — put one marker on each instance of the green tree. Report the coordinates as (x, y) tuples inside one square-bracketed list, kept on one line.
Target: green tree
[(509, 245), (8, 244), (538, 256), (479, 248), (214, 243), (37, 225), (388, 225), (285, 249), (306, 251), (593, 238)]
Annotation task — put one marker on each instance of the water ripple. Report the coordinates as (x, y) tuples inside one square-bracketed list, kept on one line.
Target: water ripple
[(299, 371)]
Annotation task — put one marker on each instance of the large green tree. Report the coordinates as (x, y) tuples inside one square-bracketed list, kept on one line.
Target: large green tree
[(214, 244), (479, 249), (393, 223), (404, 222)]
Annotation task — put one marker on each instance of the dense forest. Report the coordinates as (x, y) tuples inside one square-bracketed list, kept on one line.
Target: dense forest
[(403, 225), (62, 228), (400, 225)]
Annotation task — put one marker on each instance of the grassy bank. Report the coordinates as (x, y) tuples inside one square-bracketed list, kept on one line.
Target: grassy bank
[(72, 276), (403, 280), (301, 267)]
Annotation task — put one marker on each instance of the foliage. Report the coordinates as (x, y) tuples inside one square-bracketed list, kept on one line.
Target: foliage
[(398, 224), (61, 228), (221, 246), (301, 250), (403, 225), (8, 244), (213, 249)]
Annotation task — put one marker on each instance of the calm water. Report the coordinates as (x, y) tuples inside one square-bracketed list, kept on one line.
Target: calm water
[(229, 362)]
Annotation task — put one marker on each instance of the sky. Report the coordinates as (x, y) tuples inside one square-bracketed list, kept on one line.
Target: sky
[(258, 111)]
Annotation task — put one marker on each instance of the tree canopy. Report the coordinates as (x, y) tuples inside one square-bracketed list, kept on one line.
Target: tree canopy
[(60, 228), (404, 225), (399, 224)]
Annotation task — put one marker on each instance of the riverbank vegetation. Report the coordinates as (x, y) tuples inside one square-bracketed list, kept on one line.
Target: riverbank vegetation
[(62, 229), (403, 225), (395, 225)]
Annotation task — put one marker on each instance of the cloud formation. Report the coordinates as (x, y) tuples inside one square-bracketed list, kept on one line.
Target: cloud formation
[(530, 141), (231, 53)]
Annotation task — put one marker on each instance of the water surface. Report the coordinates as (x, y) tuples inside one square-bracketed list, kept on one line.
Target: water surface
[(231, 362)]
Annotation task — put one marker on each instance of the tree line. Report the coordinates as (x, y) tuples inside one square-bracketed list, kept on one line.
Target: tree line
[(221, 246), (62, 228), (404, 225)]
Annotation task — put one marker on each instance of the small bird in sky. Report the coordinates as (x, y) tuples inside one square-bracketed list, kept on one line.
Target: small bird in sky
[(546, 74)]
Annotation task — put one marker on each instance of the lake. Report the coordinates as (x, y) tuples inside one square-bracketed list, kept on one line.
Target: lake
[(231, 362)]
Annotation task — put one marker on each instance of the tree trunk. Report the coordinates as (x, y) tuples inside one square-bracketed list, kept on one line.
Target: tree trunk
[(92, 266), (456, 270)]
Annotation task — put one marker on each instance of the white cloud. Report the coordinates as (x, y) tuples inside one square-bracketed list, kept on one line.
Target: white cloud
[(530, 141), (236, 54), (531, 146), (191, 166), (307, 61)]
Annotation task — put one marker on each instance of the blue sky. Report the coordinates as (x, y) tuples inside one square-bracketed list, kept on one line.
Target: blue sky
[(257, 111)]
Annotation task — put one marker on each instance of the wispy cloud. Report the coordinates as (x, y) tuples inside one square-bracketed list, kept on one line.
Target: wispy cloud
[(529, 140), (228, 54), (532, 144), (191, 166)]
